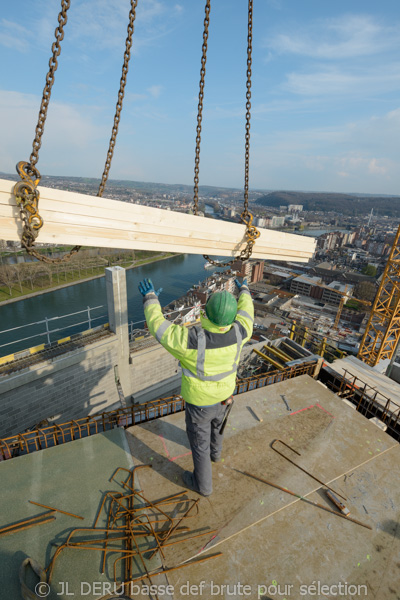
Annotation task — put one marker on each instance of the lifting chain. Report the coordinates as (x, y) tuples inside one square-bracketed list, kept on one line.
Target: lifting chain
[(27, 197), (121, 92), (25, 191), (53, 64), (246, 217), (200, 107)]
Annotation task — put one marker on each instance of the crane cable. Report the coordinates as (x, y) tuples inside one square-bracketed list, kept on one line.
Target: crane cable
[(25, 191), (246, 217)]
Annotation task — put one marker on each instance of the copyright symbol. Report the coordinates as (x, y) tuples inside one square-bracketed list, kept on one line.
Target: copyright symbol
[(42, 589)]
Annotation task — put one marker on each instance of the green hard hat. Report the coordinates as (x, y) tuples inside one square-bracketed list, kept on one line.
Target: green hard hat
[(221, 308)]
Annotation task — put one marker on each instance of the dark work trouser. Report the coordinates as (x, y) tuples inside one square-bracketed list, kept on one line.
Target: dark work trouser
[(202, 427)]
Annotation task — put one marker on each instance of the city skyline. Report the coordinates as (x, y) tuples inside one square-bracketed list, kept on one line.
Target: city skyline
[(325, 108)]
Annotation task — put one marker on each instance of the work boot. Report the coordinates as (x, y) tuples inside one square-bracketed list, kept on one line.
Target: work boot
[(188, 480)]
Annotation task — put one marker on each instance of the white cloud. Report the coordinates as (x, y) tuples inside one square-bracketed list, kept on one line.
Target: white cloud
[(92, 23), (70, 139), (151, 9), (132, 97), (358, 156), (276, 4), (348, 36), (340, 81), (377, 167), (103, 23), (155, 90), (39, 34), (15, 36)]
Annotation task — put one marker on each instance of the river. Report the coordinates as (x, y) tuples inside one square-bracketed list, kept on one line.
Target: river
[(175, 275), (318, 232)]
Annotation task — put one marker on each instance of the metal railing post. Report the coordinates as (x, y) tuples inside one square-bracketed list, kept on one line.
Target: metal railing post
[(89, 319), (305, 336), (47, 330)]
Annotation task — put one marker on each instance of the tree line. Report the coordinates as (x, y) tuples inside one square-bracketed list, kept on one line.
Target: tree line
[(22, 278)]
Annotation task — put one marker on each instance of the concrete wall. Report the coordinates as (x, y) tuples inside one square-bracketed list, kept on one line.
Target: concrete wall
[(154, 373), (395, 372), (82, 382), (71, 386)]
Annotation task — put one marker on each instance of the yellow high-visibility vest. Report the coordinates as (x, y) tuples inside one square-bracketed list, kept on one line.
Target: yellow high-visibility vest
[(208, 354)]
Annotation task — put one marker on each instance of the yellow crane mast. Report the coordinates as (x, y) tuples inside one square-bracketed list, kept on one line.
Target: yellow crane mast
[(382, 333)]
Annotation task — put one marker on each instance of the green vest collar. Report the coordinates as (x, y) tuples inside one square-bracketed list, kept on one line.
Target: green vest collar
[(209, 326)]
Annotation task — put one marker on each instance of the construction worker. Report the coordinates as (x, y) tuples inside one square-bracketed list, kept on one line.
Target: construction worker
[(209, 356)]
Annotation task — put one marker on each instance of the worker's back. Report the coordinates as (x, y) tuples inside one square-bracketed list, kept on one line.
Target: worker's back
[(209, 353)]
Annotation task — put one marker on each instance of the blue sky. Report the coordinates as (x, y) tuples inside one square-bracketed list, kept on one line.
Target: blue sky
[(325, 98)]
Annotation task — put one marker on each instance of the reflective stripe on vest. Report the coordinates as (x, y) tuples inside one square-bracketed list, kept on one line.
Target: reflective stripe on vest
[(162, 329), (244, 291), (201, 357), (243, 313)]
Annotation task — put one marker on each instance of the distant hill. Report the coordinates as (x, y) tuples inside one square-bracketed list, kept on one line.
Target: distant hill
[(346, 204)]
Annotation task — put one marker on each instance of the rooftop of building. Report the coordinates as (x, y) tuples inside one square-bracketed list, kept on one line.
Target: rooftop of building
[(326, 265), (262, 515), (336, 286), (310, 280)]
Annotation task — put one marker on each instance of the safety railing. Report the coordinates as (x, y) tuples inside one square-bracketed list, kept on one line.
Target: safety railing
[(271, 377), (56, 434), (367, 399), (44, 331)]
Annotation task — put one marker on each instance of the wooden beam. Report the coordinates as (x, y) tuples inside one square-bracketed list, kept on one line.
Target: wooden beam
[(71, 218)]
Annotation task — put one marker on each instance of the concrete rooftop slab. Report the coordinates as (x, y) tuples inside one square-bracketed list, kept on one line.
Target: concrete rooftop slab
[(72, 477), (266, 535)]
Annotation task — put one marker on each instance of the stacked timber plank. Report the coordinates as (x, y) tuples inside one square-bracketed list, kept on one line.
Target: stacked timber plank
[(71, 218)]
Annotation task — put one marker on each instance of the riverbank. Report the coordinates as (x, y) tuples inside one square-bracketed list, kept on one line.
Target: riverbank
[(52, 288)]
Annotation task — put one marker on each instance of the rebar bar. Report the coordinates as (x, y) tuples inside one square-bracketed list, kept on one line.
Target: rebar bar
[(7, 531), (287, 491), (301, 468), (56, 510)]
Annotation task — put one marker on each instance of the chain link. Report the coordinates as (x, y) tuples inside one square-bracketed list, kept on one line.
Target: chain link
[(121, 92), (27, 197), (200, 106), (53, 64), (252, 232), (25, 191), (245, 213)]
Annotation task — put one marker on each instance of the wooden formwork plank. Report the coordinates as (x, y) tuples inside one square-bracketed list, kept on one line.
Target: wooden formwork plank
[(72, 218)]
